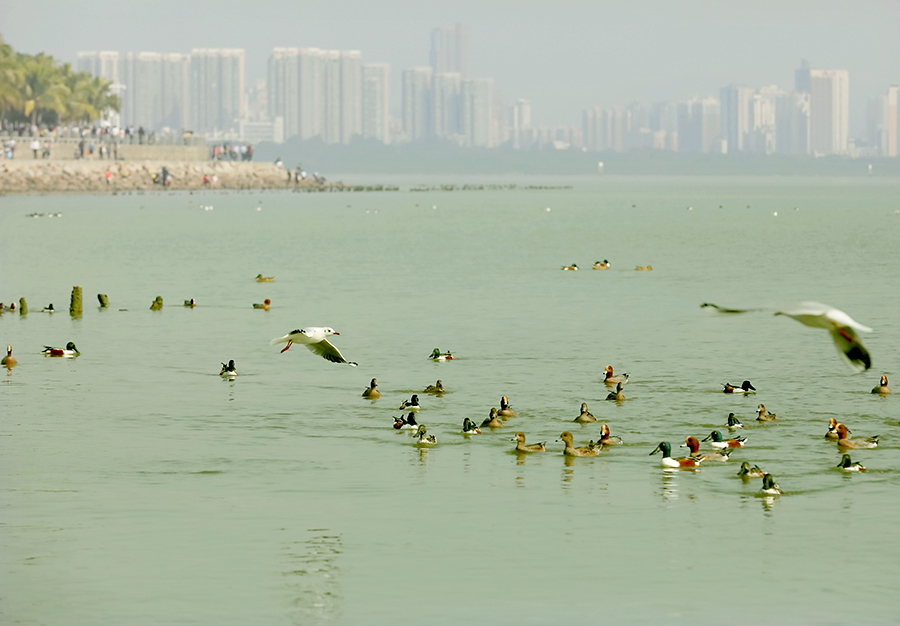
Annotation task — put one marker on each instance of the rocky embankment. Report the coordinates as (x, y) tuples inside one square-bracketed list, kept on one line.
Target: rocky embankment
[(26, 175)]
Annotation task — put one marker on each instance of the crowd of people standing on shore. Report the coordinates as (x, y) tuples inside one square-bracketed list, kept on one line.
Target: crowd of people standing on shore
[(231, 152)]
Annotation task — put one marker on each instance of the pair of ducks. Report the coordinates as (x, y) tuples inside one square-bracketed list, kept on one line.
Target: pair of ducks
[(371, 392), (421, 434), (593, 448), (695, 458), (838, 432), (496, 418), (762, 416)]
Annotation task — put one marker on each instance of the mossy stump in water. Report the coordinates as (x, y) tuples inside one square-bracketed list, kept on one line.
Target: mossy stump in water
[(23, 307), (75, 302), (157, 304), (104, 300)]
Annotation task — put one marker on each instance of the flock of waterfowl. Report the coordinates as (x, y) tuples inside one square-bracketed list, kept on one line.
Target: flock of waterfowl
[(604, 265), (840, 325)]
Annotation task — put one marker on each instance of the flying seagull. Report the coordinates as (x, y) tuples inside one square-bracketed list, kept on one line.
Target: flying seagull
[(842, 327), (314, 339)]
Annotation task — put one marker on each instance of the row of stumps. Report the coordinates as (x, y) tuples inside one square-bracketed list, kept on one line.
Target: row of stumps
[(76, 306)]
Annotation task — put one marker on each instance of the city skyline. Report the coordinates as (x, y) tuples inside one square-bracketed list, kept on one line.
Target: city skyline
[(561, 59)]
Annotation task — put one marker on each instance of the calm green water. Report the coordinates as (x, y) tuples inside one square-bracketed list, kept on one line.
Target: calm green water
[(140, 488)]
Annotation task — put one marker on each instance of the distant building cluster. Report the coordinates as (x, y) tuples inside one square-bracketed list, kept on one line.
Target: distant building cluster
[(813, 119), (335, 97)]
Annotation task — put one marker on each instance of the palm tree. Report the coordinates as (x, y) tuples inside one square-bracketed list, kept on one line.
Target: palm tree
[(12, 77), (44, 88)]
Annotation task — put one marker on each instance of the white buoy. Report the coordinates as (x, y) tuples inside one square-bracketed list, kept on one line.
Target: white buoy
[(547, 209), (775, 213)]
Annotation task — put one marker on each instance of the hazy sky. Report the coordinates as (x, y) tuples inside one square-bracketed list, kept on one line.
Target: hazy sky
[(562, 56)]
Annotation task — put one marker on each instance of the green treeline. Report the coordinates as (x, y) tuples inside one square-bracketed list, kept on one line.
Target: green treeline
[(38, 90)]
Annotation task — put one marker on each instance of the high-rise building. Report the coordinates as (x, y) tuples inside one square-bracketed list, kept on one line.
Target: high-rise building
[(217, 89), (351, 95), (477, 112), (829, 111), (449, 50), (699, 125), (520, 123), (801, 77), (792, 123), (312, 92), (417, 103), (175, 96), (376, 101), (735, 102), (101, 64), (283, 89), (883, 122), (331, 123), (445, 100), (142, 95)]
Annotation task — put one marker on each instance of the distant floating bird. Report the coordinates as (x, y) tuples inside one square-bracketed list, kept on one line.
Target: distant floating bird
[(601, 265), (265, 305), (437, 388), (410, 405), (470, 428), (408, 422), (8, 360), (314, 339), (228, 371), (571, 268), (264, 279), (371, 392), (744, 387), (769, 487), (437, 355), (70, 351), (521, 446), (746, 472), (644, 268), (849, 466), (424, 438), (882, 387), (570, 450), (505, 410), (190, 303)]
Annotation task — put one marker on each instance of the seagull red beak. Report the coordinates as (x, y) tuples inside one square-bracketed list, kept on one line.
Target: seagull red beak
[(336, 333), (287, 346)]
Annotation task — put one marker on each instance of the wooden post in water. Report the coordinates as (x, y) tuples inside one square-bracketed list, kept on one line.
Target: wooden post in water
[(104, 301), (23, 307), (75, 302), (157, 304)]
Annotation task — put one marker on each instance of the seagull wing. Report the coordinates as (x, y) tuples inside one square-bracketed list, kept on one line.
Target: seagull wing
[(327, 351)]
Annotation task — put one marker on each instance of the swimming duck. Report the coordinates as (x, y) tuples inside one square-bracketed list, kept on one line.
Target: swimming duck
[(493, 421), (713, 455), (764, 416), (601, 265), (425, 439), (718, 442), (8, 360), (406, 423), (846, 442), (505, 411), (572, 267), (606, 439), (470, 428), (769, 487), (411, 405), (264, 279), (371, 392), (48, 309), (643, 269), (832, 433), (190, 303), (611, 380), (264, 306), (668, 461), (850, 466), (616, 395), (566, 437), (437, 355), (734, 422), (882, 387), (746, 472), (69, 351), (585, 417), (228, 370), (437, 388), (521, 446), (744, 387)]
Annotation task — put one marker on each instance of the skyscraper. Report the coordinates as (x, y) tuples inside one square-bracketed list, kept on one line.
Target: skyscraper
[(445, 104), (417, 103), (449, 49), (735, 102), (792, 123), (331, 122), (376, 101), (101, 64), (283, 88), (829, 111), (699, 125), (351, 95), (312, 92), (477, 109), (217, 89)]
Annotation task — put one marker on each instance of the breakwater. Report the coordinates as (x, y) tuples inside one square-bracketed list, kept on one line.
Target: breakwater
[(37, 176)]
